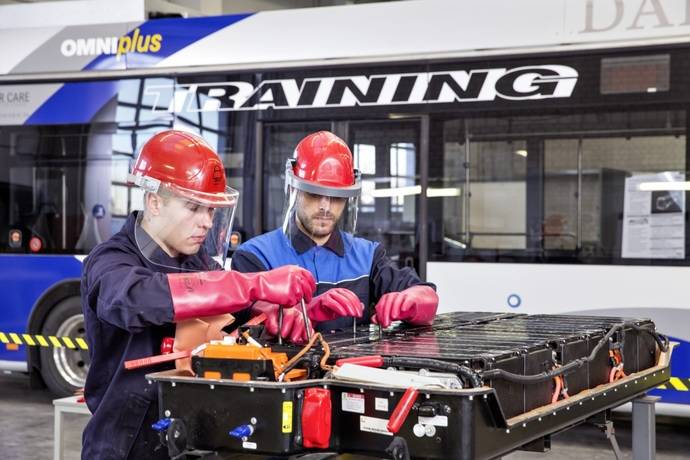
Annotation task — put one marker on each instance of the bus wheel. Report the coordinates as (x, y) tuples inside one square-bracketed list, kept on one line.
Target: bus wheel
[(64, 369)]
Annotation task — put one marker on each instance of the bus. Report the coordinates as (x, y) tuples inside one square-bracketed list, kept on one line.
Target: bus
[(528, 157)]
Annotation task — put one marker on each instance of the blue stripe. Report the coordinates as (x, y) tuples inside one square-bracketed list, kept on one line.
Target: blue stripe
[(672, 396), (75, 102), (176, 34), (680, 360)]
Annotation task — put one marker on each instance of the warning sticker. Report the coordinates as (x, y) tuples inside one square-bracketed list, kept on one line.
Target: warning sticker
[(287, 417), (381, 404), (249, 445), (438, 420), (374, 425), (353, 402)]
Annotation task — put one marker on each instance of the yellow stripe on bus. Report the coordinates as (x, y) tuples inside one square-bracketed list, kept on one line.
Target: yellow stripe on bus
[(42, 341), (68, 342), (54, 340), (3, 338), (678, 384), (28, 340), (15, 338)]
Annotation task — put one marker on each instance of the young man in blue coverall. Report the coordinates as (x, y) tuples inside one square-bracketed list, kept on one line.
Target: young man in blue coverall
[(159, 269), (322, 189)]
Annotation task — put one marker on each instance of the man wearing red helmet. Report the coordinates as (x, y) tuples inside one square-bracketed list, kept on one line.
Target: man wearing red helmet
[(163, 267), (322, 189)]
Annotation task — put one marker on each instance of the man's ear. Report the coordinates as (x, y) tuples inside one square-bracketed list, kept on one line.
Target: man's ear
[(154, 203)]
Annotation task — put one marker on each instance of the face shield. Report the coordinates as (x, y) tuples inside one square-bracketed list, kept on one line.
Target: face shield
[(318, 209), (182, 228)]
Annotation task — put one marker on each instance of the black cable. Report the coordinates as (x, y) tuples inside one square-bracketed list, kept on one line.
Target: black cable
[(466, 374), (536, 378), (663, 343)]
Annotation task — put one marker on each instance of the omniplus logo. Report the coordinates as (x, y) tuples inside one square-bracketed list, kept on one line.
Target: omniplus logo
[(519, 83), (118, 46)]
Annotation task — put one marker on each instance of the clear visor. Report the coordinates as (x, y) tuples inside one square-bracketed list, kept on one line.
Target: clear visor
[(186, 230), (318, 216)]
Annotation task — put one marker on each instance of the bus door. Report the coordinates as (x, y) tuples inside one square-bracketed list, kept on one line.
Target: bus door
[(387, 152)]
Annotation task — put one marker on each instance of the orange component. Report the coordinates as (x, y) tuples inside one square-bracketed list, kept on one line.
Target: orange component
[(12, 346), (616, 372), (557, 390), (212, 375), (295, 374), (245, 352), (560, 389), (240, 376)]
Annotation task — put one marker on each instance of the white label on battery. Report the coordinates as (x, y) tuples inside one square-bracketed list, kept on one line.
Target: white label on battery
[(249, 445), (374, 425), (381, 404), (353, 402), (439, 420)]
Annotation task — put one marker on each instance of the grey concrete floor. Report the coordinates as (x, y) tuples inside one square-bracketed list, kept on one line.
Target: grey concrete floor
[(26, 432)]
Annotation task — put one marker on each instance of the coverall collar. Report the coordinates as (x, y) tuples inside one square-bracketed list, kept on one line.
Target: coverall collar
[(302, 243)]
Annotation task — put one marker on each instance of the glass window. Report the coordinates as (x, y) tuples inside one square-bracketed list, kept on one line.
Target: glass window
[(388, 153), (498, 193), (365, 158), (561, 224), (555, 187), (41, 175), (607, 163)]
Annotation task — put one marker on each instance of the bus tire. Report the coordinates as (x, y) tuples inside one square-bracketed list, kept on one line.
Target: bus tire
[(64, 369)]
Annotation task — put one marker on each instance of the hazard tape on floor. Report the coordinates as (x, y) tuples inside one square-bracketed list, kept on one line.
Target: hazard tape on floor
[(34, 340), (676, 383)]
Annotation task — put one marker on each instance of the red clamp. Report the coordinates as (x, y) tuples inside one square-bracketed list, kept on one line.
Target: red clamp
[(402, 410)]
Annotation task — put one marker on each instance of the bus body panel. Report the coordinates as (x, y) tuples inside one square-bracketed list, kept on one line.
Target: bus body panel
[(26, 279)]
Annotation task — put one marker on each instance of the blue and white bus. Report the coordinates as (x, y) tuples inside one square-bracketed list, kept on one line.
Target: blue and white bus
[(524, 156)]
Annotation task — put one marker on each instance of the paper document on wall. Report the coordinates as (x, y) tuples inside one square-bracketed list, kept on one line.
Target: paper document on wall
[(654, 216)]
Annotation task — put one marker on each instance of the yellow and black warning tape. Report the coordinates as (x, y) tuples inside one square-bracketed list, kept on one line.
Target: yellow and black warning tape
[(676, 383), (36, 340)]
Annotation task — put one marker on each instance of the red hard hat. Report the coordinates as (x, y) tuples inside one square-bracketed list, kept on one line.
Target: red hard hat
[(184, 163), (323, 165)]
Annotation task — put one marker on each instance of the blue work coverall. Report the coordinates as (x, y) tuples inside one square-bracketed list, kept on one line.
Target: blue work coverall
[(344, 261), (128, 310)]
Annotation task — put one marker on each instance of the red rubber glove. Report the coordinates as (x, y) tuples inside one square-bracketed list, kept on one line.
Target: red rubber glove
[(416, 305), (293, 329), (334, 303), (200, 294)]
